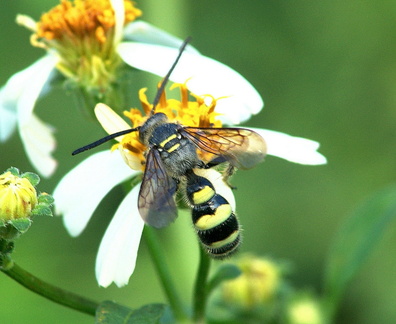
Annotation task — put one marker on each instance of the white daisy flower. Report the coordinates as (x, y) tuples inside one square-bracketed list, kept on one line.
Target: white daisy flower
[(86, 43), (118, 250)]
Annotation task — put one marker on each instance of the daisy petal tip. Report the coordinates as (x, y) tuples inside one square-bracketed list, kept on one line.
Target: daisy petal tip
[(71, 228), (290, 148), (102, 109), (318, 159), (109, 119)]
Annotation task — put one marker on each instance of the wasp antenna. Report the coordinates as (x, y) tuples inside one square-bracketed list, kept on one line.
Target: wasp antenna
[(104, 140), (166, 77)]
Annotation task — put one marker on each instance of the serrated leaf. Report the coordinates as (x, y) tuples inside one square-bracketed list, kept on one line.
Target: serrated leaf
[(45, 198), (112, 313), (356, 240), (225, 272), (21, 224), (33, 178), (42, 210), (14, 171), (148, 314)]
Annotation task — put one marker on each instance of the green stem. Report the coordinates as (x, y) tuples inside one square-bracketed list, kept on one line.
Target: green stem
[(200, 291), (168, 285), (57, 295)]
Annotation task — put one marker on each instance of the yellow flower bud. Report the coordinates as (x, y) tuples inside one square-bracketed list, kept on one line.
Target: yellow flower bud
[(304, 310), (18, 197), (258, 283)]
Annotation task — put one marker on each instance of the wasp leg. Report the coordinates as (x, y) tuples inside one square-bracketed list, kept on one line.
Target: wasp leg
[(227, 172), (215, 162)]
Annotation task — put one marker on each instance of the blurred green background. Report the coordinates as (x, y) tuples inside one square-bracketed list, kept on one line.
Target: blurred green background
[(326, 71)]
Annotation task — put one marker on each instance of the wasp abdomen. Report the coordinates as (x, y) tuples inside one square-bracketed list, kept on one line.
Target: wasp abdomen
[(213, 218)]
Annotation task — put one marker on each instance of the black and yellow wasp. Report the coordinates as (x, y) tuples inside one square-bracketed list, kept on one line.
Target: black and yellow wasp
[(173, 163)]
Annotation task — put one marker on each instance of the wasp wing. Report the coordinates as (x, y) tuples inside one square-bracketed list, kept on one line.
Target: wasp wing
[(242, 148), (156, 203)]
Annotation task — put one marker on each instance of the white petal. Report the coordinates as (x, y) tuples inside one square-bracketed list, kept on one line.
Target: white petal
[(8, 121), (110, 120), (142, 32), (205, 77), (13, 93), (39, 142), (40, 73), (117, 254), (80, 191), (119, 18), (293, 149)]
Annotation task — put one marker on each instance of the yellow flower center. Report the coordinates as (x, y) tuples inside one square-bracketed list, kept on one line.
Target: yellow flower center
[(82, 20), (83, 33), (196, 113)]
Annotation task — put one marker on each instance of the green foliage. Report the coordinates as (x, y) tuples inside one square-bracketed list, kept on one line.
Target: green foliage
[(356, 240), (33, 178), (43, 208), (14, 171), (111, 313), (45, 199), (21, 224)]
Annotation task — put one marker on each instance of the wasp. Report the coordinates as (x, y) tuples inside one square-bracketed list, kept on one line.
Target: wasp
[(174, 163)]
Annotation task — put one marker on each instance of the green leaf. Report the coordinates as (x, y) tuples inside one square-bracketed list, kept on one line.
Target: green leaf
[(42, 210), (148, 314), (226, 271), (33, 178), (356, 240), (111, 313), (14, 171), (46, 199), (21, 224)]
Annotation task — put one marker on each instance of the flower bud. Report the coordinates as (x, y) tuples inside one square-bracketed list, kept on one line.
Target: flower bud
[(304, 309), (18, 197), (258, 283), (18, 202)]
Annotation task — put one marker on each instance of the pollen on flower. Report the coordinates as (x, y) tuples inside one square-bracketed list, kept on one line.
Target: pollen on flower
[(82, 19), (84, 34), (194, 113)]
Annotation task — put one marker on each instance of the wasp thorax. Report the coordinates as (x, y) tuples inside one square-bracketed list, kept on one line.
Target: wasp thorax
[(178, 154), (150, 125)]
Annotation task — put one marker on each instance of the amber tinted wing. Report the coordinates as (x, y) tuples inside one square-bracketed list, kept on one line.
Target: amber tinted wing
[(156, 203), (243, 148)]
